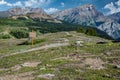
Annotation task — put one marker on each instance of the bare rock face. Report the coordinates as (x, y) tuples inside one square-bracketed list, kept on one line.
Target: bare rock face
[(27, 12), (30, 12), (111, 27), (21, 11), (115, 16), (86, 14)]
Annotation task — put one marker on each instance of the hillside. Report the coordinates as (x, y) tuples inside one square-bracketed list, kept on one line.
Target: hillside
[(57, 57), (88, 15), (9, 24)]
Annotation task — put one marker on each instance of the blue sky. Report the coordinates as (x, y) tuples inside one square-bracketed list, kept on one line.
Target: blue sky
[(51, 6)]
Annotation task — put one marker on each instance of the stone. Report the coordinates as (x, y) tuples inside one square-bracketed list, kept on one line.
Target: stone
[(46, 76)]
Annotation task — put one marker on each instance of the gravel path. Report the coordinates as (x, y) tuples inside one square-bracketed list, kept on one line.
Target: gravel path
[(38, 48)]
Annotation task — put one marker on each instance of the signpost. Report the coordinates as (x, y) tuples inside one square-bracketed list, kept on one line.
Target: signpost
[(32, 36)]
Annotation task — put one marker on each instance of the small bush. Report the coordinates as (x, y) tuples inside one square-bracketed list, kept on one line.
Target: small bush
[(36, 41), (21, 18), (81, 30), (91, 32), (20, 33), (5, 36), (88, 31)]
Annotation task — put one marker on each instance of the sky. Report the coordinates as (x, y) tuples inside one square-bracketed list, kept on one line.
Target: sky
[(51, 6)]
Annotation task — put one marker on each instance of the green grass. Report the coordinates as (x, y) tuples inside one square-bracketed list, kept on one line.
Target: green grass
[(51, 59)]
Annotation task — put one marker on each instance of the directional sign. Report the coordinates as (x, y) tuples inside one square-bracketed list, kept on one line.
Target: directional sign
[(32, 34)]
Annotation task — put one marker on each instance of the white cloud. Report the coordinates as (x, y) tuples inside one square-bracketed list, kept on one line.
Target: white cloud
[(118, 2), (3, 2), (51, 10), (17, 4), (30, 3), (62, 4), (26, 3), (113, 7)]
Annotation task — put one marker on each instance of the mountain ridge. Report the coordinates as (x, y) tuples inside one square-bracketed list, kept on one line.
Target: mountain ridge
[(90, 16), (86, 15)]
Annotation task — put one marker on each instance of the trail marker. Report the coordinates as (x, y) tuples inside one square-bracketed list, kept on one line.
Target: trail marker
[(32, 36)]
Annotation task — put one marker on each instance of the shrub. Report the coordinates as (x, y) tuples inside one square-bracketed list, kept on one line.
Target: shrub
[(20, 33), (21, 18), (5, 36), (81, 30), (36, 41), (91, 32)]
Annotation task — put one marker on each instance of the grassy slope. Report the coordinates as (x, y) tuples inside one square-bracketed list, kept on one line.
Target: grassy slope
[(43, 27), (63, 68)]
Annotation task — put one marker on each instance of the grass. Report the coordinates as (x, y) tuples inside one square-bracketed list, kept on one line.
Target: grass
[(53, 63)]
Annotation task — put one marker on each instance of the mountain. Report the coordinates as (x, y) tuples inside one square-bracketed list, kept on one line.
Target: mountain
[(111, 27), (21, 11), (115, 16), (88, 15), (34, 13), (85, 15)]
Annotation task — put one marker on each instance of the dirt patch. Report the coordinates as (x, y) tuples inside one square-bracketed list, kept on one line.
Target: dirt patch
[(16, 67), (30, 64), (94, 63), (22, 76)]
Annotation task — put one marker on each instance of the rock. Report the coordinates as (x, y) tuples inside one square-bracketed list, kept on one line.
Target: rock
[(108, 53), (43, 68), (46, 76), (79, 43), (117, 66), (67, 33), (63, 40)]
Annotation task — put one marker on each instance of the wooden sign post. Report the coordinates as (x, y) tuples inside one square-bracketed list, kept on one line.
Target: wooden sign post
[(32, 36)]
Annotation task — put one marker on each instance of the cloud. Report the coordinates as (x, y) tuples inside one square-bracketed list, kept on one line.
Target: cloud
[(118, 2), (3, 2), (26, 3), (62, 4), (17, 4), (51, 10), (30, 3), (113, 7)]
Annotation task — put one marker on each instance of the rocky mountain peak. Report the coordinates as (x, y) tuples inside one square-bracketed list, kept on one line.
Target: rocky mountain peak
[(90, 16), (87, 7), (25, 10), (80, 15)]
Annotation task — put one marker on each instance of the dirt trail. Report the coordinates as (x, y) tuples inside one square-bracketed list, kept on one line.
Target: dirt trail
[(22, 76), (38, 48)]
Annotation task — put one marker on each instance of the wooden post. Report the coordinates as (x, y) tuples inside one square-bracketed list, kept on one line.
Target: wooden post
[(32, 35), (32, 41)]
